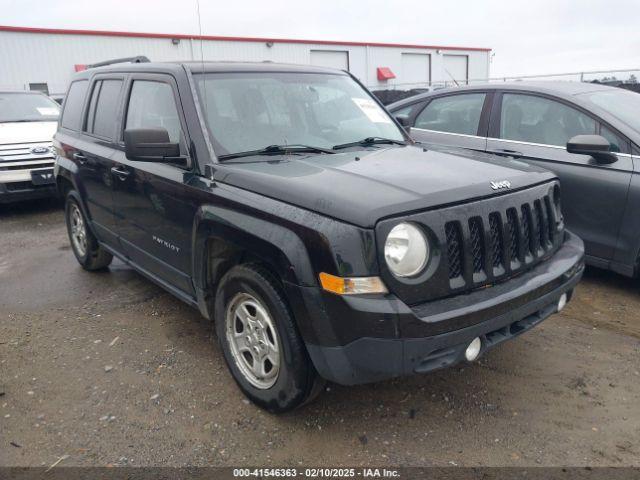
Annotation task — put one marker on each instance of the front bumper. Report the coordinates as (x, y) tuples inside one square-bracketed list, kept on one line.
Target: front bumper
[(435, 335), (19, 191)]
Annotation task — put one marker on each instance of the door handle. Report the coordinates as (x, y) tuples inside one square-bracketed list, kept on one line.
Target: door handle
[(505, 152), (80, 158), (120, 172)]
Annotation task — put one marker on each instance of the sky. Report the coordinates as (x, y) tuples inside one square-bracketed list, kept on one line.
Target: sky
[(526, 37)]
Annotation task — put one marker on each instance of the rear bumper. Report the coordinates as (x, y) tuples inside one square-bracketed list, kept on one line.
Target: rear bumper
[(19, 191), (435, 335)]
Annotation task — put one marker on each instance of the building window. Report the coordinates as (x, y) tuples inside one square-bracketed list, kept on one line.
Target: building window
[(456, 69), (416, 70), (39, 87), (330, 58)]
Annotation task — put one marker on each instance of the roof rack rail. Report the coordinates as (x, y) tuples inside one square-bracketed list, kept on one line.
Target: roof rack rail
[(138, 59)]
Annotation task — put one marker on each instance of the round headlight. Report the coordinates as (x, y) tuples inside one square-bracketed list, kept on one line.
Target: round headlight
[(406, 250)]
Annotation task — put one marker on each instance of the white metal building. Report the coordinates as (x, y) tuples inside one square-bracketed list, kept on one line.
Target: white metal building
[(45, 59)]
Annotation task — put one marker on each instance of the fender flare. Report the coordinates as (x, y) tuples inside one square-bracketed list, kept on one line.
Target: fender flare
[(65, 168), (235, 233)]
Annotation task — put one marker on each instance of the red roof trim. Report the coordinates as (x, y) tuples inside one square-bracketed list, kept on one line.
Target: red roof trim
[(106, 33)]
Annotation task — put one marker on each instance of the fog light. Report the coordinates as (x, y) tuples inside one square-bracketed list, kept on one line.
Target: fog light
[(562, 302), (473, 350)]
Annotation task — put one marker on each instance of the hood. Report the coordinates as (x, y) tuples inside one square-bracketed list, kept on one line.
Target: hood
[(362, 187), (27, 132)]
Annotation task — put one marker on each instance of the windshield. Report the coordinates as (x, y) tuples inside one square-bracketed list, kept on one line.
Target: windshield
[(250, 111), (27, 107), (622, 104)]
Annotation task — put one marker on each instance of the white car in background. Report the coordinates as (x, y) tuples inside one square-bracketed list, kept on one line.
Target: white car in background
[(28, 121)]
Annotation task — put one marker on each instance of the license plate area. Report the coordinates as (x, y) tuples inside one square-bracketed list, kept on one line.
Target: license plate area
[(42, 176)]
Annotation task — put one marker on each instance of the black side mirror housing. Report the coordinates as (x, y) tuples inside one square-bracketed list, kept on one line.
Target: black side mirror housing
[(151, 145), (404, 121), (594, 145)]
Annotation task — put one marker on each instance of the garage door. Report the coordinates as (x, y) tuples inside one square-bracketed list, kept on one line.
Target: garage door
[(330, 58), (416, 69), (456, 68)]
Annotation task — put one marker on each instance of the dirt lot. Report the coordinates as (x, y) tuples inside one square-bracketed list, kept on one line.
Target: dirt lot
[(107, 368)]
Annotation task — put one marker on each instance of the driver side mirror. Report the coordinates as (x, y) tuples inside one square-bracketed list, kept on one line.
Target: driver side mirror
[(594, 145), (152, 145), (404, 121)]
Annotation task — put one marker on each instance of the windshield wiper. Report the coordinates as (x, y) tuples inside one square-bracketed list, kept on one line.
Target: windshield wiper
[(277, 150), (369, 141)]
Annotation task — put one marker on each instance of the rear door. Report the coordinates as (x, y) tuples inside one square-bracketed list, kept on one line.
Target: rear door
[(154, 206), (458, 119), (94, 152), (535, 128)]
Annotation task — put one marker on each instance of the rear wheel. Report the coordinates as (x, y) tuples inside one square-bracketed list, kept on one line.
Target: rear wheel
[(84, 244), (260, 341)]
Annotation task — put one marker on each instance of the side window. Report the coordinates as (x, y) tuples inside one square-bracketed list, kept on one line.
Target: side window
[(72, 114), (533, 119), (618, 144), (453, 114), (152, 105), (103, 108)]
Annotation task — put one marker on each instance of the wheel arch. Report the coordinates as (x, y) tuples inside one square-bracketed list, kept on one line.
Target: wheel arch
[(223, 238)]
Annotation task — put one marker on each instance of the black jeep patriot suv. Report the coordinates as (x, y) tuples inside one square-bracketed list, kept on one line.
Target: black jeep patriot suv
[(287, 205)]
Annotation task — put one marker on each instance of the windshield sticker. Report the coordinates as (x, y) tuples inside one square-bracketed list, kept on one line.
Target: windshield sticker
[(47, 111), (371, 110)]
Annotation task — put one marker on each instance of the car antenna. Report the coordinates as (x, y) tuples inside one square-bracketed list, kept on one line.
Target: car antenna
[(454, 80)]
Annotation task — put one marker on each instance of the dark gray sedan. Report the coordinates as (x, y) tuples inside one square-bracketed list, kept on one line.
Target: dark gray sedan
[(588, 134)]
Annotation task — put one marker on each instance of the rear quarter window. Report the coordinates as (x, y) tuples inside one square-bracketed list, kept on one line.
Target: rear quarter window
[(72, 113)]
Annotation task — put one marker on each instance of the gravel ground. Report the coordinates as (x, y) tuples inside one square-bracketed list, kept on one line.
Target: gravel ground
[(108, 369)]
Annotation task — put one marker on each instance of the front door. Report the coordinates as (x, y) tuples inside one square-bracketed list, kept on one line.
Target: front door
[(536, 129), (154, 212)]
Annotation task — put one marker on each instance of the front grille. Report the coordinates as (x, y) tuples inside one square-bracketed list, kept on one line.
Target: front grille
[(503, 241), (478, 243), (47, 163), (18, 156)]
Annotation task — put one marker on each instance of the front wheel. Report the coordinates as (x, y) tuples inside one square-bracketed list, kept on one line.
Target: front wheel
[(260, 342), (84, 244)]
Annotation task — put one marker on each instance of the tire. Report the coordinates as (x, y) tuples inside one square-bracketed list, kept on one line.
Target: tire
[(88, 252), (253, 290)]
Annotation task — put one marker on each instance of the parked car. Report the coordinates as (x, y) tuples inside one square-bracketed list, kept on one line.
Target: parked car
[(28, 121), (535, 122), (285, 203)]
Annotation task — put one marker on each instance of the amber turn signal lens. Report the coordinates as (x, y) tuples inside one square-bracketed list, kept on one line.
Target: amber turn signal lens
[(351, 286)]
